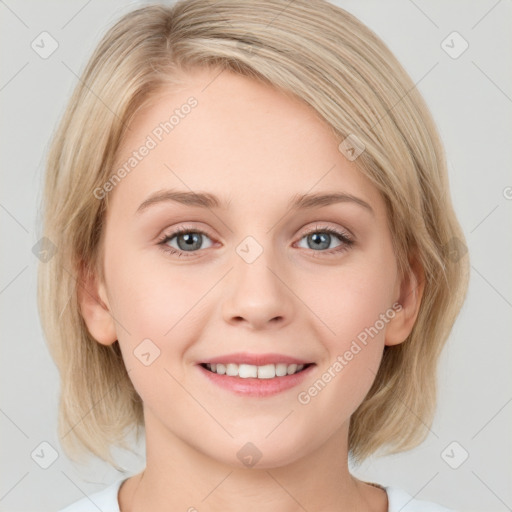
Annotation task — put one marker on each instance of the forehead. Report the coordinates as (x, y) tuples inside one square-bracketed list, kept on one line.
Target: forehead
[(235, 137)]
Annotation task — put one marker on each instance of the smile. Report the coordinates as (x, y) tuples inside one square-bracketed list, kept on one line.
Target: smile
[(255, 375), (246, 371)]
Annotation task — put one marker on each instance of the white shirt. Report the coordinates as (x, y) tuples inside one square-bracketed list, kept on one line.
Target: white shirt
[(106, 501)]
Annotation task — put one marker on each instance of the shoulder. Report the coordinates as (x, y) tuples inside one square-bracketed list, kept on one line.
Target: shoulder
[(104, 500), (401, 501)]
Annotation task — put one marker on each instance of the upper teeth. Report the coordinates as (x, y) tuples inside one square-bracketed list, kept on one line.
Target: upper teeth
[(268, 371)]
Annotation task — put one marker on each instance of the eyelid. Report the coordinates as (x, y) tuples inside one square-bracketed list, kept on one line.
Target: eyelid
[(172, 232), (330, 229), (343, 234)]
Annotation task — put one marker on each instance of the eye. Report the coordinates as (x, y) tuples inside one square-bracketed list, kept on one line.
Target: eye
[(188, 240), (321, 238)]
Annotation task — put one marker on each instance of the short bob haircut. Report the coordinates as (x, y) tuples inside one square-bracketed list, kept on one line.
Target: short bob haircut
[(311, 50)]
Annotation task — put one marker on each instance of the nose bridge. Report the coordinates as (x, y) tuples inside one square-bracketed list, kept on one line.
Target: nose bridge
[(256, 291), (255, 265)]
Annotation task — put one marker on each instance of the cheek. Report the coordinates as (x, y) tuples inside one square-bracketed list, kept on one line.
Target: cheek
[(353, 344), (352, 299), (152, 308), (151, 298), (359, 314), (141, 299), (158, 302)]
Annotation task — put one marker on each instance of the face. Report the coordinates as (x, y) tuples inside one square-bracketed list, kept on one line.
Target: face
[(258, 279)]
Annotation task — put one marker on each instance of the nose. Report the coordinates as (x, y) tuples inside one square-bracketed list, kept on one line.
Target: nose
[(256, 293)]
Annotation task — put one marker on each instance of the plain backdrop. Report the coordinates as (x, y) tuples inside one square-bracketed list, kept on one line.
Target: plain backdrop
[(470, 98)]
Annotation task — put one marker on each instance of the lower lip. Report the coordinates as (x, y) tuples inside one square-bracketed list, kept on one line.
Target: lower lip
[(257, 387)]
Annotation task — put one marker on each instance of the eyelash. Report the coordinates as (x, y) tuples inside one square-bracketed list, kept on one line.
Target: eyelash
[(347, 242)]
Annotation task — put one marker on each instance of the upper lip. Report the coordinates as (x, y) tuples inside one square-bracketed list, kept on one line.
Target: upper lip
[(255, 359)]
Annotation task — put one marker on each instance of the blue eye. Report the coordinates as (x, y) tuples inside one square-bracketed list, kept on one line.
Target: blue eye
[(323, 236), (190, 241), (186, 238)]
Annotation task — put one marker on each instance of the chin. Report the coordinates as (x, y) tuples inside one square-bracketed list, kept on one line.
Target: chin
[(261, 453)]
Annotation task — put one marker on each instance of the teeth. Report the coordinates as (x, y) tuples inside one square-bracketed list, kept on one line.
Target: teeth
[(245, 371), (232, 369), (292, 369), (281, 369), (266, 372)]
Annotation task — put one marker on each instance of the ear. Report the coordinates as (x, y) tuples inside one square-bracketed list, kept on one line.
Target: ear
[(409, 295), (95, 309)]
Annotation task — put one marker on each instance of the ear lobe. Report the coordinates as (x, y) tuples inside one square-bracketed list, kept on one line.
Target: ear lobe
[(411, 294), (94, 307)]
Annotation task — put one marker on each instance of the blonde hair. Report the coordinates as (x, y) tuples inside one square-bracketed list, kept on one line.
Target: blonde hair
[(312, 50)]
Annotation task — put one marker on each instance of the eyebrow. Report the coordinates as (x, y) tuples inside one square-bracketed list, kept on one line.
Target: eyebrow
[(210, 201)]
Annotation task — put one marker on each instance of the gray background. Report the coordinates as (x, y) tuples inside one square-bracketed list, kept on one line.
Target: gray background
[(470, 98)]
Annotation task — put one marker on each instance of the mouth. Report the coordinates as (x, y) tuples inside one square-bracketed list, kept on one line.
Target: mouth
[(250, 371), (256, 375)]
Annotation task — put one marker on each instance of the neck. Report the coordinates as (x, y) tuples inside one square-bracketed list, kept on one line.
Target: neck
[(179, 477)]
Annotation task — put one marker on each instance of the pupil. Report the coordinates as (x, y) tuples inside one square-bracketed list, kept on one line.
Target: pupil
[(189, 240), (317, 239)]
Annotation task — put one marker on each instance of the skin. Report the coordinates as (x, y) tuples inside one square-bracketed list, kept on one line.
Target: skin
[(245, 142)]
